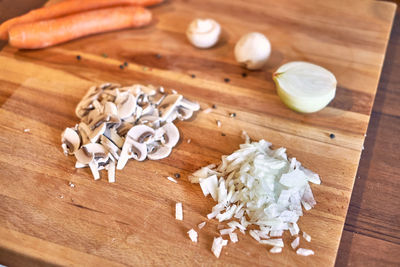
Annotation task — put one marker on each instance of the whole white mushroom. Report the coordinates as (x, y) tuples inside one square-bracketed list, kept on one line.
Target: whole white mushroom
[(252, 50), (203, 33)]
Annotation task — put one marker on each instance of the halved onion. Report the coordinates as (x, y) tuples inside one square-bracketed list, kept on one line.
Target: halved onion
[(305, 87)]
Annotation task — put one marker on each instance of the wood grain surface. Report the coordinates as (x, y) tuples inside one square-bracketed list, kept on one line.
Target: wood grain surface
[(371, 235), (45, 220)]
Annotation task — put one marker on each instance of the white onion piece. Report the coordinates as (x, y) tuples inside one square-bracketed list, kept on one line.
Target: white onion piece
[(217, 245), (276, 250), (295, 243), (307, 237), (233, 237), (304, 252), (178, 211), (305, 87), (201, 225), (193, 235)]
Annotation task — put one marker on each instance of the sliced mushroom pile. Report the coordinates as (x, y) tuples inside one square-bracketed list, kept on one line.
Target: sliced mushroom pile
[(120, 123)]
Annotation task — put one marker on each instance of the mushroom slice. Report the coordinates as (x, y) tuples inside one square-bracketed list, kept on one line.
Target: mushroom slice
[(83, 107), (149, 90), (89, 152), (94, 168), (97, 121), (70, 141), (124, 128), (84, 132), (114, 121), (97, 105), (109, 86), (93, 115), (92, 91), (141, 99), (171, 134), (172, 116), (149, 120), (92, 94), (112, 148), (189, 104), (141, 134), (110, 109), (159, 152), (120, 97), (167, 106), (97, 132), (114, 136), (184, 113), (131, 149), (79, 165), (110, 167), (107, 96), (92, 154), (157, 98), (127, 107), (138, 113)]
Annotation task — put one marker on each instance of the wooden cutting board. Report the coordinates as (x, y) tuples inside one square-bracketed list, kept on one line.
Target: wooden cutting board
[(43, 219)]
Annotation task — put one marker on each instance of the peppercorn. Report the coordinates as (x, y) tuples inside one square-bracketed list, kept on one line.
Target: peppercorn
[(227, 80), (214, 106), (332, 136), (121, 67), (244, 74), (125, 64), (78, 57), (177, 175), (193, 76)]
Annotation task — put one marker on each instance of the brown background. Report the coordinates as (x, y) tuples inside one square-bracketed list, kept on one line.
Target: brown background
[(371, 235)]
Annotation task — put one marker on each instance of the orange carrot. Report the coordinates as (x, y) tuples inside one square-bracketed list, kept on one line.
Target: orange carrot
[(51, 32), (67, 7)]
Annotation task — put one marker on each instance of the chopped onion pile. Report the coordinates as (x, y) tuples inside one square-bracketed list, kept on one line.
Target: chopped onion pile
[(262, 187)]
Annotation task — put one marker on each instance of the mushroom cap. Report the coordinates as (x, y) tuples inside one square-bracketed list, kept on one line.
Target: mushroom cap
[(159, 153), (203, 33), (70, 140)]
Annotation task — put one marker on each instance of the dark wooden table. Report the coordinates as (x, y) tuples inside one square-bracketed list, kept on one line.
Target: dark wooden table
[(371, 235)]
